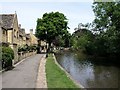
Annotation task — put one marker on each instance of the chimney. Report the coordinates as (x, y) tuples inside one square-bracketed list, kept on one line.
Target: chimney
[(19, 26), (23, 29), (31, 31)]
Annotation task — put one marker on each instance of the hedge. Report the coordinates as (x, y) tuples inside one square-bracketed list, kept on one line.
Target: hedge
[(7, 57), (8, 50)]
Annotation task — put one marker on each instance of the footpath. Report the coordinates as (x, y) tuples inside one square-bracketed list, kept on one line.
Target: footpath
[(41, 79), (27, 74)]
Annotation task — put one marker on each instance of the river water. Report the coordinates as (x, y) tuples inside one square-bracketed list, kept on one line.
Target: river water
[(87, 73)]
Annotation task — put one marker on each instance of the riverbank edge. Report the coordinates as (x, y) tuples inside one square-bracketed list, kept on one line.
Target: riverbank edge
[(67, 74)]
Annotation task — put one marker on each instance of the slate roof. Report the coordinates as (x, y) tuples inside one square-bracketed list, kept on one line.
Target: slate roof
[(7, 20)]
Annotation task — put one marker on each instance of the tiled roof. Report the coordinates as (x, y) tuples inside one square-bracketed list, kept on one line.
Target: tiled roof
[(7, 20)]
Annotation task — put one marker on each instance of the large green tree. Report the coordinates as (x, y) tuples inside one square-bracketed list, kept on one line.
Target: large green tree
[(51, 25), (107, 22), (83, 39), (107, 15)]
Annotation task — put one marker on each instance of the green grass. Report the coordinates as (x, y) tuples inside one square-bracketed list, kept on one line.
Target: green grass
[(56, 78)]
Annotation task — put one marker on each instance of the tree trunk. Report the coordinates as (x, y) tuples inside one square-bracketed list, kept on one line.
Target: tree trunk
[(49, 47)]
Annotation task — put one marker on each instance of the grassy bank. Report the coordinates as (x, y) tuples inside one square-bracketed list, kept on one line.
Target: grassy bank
[(56, 78)]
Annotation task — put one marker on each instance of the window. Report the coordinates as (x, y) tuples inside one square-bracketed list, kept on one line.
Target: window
[(17, 34), (14, 33)]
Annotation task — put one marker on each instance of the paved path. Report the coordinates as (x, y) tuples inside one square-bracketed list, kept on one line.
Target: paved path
[(41, 79), (23, 75)]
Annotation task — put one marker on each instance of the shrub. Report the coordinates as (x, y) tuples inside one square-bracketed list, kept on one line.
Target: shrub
[(6, 60), (7, 56), (23, 48), (32, 48), (27, 48), (8, 50), (20, 49)]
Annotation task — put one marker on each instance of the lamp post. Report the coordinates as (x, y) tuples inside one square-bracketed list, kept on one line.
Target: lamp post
[(46, 45)]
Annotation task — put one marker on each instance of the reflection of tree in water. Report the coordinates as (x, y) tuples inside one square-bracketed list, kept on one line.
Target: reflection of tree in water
[(79, 55), (105, 76), (88, 73)]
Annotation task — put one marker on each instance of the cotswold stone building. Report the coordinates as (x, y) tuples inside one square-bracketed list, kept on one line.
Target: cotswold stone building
[(22, 36), (10, 32), (14, 35), (33, 39)]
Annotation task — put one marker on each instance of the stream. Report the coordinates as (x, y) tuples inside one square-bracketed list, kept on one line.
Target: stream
[(88, 73)]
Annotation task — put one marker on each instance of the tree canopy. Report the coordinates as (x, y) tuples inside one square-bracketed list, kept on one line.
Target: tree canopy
[(51, 25), (106, 42), (107, 22)]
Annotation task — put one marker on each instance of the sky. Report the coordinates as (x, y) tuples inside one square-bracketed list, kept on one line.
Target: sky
[(29, 12)]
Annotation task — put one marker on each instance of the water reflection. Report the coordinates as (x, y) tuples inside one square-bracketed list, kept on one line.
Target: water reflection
[(87, 73)]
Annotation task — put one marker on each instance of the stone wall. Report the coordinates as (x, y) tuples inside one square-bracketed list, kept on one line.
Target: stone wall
[(4, 35), (22, 55)]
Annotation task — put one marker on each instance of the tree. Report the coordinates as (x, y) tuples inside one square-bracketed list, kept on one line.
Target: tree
[(82, 39), (107, 14), (107, 22), (50, 26), (58, 41)]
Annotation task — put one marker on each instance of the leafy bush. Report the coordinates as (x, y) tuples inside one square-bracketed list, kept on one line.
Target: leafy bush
[(34, 47), (7, 56), (8, 50), (22, 49), (6, 60), (19, 49), (27, 48)]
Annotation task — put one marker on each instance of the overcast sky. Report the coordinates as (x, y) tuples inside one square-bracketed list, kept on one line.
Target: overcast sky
[(28, 12)]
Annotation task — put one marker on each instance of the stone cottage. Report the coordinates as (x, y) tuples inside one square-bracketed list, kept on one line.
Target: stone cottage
[(10, 31), (31, 39), (22, 36)]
